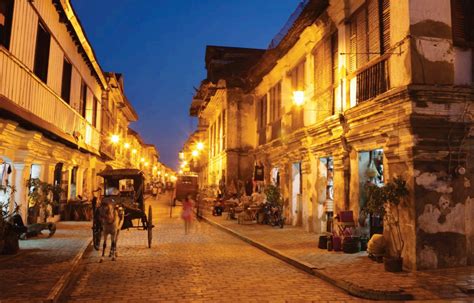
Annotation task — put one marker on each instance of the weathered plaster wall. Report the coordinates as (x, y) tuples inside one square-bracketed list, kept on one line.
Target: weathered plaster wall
[(444, 123), (434, 59)]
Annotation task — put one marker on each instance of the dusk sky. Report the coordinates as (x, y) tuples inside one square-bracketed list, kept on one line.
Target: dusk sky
[(159, 47)]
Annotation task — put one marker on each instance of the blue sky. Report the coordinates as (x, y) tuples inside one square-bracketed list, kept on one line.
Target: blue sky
[(159, 47)]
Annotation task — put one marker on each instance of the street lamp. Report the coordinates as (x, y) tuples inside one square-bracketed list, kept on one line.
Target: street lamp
[(200, 146), (298, 97), (115, 139), (126, 145), (195, 153)]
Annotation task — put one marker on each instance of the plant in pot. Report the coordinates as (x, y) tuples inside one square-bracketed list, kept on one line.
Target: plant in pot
[(40, 199), (275, 200), (386, 201), (8, 237)]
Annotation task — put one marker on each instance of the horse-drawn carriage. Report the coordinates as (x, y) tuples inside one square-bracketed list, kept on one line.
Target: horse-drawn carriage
[(124, 189)]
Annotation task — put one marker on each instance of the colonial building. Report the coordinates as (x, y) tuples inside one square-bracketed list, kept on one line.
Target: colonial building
[(359, 92), (59, 112), (223, 112)]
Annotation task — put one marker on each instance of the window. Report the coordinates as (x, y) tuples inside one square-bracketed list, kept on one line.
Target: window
[(261, 120), (297, 76), (369, 32), (83, 101), (6, 17), (66, 82), (43, 39), (94, 112), (462, 12), (224, 143), (324, 78), (275, 102)]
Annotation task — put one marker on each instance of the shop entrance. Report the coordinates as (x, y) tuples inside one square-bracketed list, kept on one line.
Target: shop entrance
[(370, 172), (296, 191), (326, 176)]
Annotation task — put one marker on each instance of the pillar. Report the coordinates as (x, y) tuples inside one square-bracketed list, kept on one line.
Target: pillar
[(21, 173)]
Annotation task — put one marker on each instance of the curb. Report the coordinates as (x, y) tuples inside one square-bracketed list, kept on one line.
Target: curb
[(63, 281), (350, 288)]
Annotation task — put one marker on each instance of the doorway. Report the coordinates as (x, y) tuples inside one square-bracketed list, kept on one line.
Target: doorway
[(296, 194), (371, 171)]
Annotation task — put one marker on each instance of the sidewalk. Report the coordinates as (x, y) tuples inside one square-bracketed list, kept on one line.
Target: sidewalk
[(355, 273), (39, 270)]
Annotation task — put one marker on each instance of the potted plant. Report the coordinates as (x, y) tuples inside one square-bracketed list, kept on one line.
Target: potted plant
[(40, 199), (385, 201), (8, 237)]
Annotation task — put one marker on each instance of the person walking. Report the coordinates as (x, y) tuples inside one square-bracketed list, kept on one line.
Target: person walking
[(187, 213)]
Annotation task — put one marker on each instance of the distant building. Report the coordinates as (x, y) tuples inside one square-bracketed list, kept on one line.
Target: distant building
[(222, 109)]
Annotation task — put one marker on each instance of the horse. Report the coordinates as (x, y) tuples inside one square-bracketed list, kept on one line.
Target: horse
[(111, 218)]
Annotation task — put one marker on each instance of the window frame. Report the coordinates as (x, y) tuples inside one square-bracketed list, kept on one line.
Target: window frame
[(66, 81), (5, 39), (41, 65)]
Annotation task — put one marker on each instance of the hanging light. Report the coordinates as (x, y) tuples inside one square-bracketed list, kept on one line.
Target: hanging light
[(115, 139), (200, 145), (298, 97), (126, 145)]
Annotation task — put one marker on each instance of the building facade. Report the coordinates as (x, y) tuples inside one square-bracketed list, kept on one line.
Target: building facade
[(58, 109), (360, 92)]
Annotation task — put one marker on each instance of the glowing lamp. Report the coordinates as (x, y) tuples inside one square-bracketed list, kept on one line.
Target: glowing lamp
[(114, 139), (134, 151), (298, 97), (142, 160), (200, 146), (126, 145), (195, 153), (146, 163)]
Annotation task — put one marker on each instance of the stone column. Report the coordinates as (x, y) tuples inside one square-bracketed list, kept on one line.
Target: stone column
[(21, 173), (342, 177)]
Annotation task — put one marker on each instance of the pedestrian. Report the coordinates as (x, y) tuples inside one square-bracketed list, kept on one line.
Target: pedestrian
[(187, 213)]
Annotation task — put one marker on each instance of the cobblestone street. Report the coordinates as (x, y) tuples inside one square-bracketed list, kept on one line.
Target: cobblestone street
[(206, 265)]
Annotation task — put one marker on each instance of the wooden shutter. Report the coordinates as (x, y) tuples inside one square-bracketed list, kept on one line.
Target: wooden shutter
[(385, 24), (258, 114), (462, 15), (374, 33), (323, 78), (94, 112), (353, 46), (278, 96), (361, 20)]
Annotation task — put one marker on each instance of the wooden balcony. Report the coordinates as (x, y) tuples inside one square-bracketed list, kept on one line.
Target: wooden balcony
[(372, 81), (33, 101)]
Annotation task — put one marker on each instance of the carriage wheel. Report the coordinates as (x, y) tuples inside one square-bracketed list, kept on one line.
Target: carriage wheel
[(150, 226)]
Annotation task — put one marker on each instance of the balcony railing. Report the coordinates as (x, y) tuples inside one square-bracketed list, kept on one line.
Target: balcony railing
[(372, 81), (22, 87)]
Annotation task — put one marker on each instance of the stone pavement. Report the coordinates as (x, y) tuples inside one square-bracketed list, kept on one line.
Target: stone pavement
[(32, 274), (205, 265), (355, 273)]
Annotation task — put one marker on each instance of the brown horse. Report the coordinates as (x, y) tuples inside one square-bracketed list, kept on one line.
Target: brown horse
[(111, 218)]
